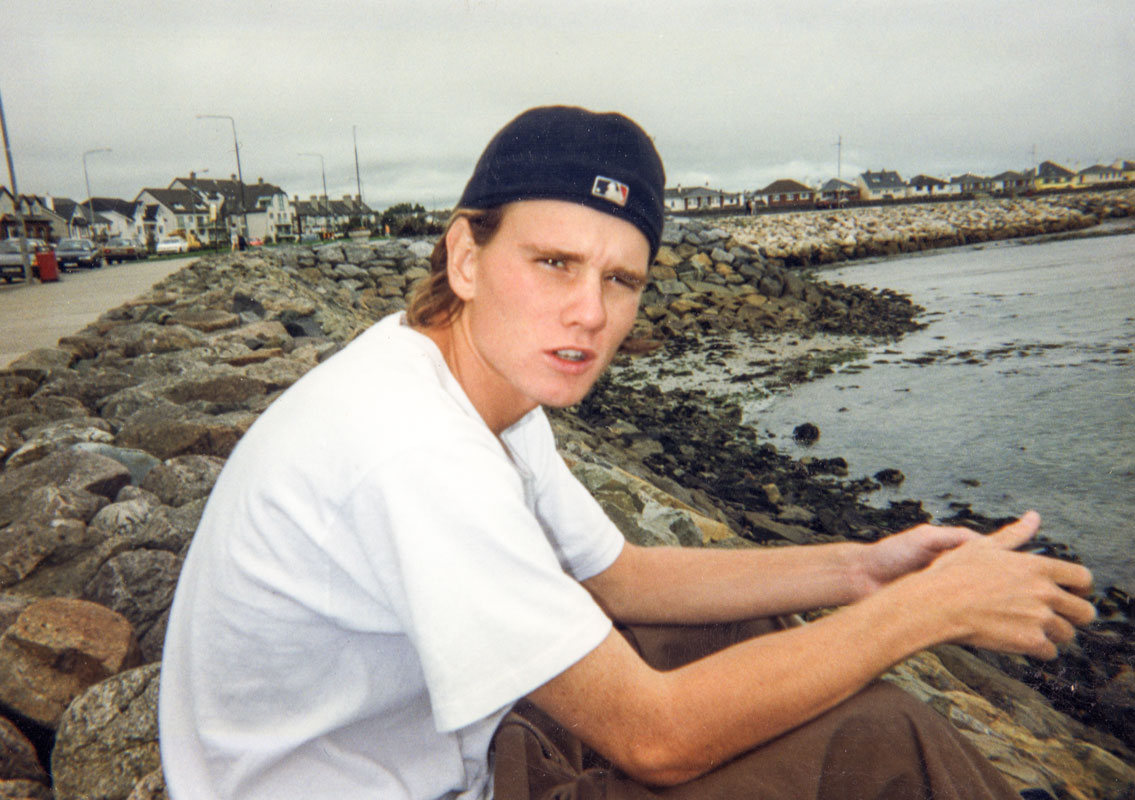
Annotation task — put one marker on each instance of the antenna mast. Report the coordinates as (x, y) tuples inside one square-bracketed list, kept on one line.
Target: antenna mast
[(358, 180)]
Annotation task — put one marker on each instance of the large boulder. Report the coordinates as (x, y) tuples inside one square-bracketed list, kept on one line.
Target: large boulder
[(180, 480), (70, 468), (107, 741), (165, 430), (56, 649), (18, 759), (139, 585)]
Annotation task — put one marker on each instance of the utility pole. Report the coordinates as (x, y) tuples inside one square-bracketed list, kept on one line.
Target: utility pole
[(326, 199), (16, 197), (358, 180), (239, 175), (91, 200)]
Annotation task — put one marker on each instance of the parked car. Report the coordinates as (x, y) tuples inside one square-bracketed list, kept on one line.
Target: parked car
[(121, 249), (172, 244), (12, 259), (71, 253)]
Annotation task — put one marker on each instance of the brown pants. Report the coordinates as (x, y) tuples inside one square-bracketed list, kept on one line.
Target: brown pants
[(880, 744)]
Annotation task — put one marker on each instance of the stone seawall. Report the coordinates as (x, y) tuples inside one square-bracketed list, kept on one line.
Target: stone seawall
[(111, 442), (814, 238)]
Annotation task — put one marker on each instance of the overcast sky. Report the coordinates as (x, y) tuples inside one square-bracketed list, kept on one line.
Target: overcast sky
[(735, 93)]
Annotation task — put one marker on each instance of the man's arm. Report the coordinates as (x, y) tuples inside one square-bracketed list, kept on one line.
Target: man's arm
[(684, 585), (666, 728)]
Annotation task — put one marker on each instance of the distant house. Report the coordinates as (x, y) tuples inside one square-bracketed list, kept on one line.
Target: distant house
[(972, 184), (355, 213), (699, 198), (1097, 174), (928, 186), (835, 193), (320, 213), (104, 217), (265, 206), (1011, 183), (169, 212), (786, 193), (881, 185), (1126, 168), (1050, 175), (40, 222)]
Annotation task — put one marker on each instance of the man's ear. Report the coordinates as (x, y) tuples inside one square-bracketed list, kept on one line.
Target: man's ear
[(461, 266)]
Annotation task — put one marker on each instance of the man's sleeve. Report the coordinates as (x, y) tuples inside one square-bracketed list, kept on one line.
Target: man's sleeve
[(473, 579)]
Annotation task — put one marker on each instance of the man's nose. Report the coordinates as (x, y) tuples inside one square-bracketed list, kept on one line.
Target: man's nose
[(586, 305)]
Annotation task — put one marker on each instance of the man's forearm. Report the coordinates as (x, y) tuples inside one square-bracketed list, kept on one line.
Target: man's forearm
[(659, 585)]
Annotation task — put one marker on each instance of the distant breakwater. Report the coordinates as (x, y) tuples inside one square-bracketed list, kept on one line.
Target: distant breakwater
[(816, 238)]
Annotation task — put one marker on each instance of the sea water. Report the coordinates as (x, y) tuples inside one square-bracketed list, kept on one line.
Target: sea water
[(1019, 393)]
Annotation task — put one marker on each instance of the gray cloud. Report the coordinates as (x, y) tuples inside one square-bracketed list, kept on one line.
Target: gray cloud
[(735, 93)]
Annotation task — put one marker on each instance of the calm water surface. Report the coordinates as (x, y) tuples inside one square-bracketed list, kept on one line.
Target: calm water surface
[(1020, 394)]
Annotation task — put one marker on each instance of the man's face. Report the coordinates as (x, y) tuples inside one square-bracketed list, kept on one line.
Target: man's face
[(547, 303)]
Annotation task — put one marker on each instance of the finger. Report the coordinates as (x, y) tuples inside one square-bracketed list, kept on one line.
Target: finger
[(1075, 578), (1076, 610), (1016, 533), (1059, 630)]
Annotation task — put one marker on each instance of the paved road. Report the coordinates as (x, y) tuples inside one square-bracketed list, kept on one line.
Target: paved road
[(38, 314)]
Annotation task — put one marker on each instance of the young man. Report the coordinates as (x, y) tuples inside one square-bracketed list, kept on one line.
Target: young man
[(395, 555)]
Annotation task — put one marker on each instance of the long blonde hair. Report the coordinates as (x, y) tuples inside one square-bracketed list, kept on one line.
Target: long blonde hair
[(432, 301)]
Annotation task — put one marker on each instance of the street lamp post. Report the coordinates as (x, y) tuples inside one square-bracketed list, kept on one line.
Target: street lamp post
[(86, 178), (326, 202), (24, 256), (239, 175)]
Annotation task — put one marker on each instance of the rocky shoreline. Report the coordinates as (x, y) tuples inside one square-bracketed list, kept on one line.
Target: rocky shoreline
[(110, 443)]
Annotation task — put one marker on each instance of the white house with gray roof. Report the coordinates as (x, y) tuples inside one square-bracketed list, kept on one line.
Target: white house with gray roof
[(882, 185)]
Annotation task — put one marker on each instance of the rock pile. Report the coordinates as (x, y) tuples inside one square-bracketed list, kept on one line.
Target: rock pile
[(812, 238), (111, 442)]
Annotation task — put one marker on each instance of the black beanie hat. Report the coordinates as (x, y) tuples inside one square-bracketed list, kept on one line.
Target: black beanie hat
[(603, 161)]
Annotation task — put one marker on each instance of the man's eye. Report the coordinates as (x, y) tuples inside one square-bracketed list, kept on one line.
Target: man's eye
[(629, 281), (555, 263)]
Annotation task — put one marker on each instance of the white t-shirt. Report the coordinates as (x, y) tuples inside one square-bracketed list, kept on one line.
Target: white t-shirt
[(374, 582)]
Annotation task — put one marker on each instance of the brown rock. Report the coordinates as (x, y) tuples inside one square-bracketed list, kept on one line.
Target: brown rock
[(20, 789), (148, 337), (37, 365), (12, 385), (18, 760), (107, 740), (254, 357), (206, 321), (151, 787), (166, 430), (257, 335), (71, 469), (56, 649), (185, 478)]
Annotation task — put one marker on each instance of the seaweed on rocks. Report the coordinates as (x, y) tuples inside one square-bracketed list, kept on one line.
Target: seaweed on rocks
[(704, 447)]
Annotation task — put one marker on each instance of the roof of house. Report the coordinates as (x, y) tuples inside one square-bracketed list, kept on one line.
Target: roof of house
[(883, 179), (1050, 169), (837, 185), (785, 185), (969, 177), (102, 205), (256, 195), (1098, 169), (927, 180), (682, 192), (1010, 175), (179, 201)]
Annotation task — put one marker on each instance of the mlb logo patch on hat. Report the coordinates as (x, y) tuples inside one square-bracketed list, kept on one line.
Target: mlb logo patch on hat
[(610, 189)]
